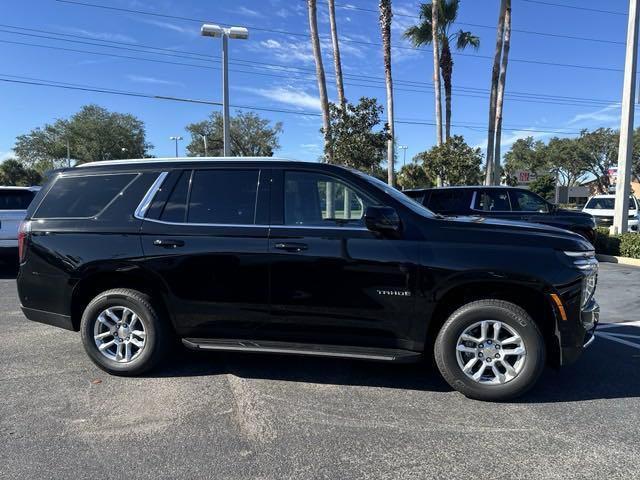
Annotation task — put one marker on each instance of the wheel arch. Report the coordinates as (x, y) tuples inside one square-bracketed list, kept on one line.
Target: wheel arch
[(134, 278), (533, 297)]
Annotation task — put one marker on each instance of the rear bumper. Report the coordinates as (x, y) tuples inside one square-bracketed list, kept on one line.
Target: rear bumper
[(49, 318)]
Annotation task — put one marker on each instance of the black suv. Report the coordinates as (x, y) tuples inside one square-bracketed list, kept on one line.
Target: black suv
[(506, 203), (260, 255)]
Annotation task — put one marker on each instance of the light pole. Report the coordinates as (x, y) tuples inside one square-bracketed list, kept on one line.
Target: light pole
[(239, 33), (404, 154), (176, 139)]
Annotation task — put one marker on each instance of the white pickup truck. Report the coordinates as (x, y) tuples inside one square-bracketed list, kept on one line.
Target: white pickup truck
[(14, 202)]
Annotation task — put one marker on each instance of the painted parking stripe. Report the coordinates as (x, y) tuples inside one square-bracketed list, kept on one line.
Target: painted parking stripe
[(603, 326), (614, 338)]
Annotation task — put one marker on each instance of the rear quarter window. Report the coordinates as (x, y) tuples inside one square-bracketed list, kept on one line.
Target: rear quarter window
[(15, 199), (82, 196)]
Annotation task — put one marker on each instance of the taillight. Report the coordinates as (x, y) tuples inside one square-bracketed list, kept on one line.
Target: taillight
[(23, 233)]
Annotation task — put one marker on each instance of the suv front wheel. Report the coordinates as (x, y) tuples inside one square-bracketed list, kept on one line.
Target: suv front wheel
[(490, 350), (122, 332)]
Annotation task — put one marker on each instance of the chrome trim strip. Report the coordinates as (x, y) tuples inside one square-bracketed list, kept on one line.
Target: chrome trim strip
[(144, 204), (253, 225), (136, 161)]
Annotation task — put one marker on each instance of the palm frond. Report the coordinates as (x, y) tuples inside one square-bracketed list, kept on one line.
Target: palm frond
[(449, 11), (419, 34), (467, 39)]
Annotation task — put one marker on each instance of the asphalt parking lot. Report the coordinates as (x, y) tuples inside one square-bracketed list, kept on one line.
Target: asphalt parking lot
[(252, 416)]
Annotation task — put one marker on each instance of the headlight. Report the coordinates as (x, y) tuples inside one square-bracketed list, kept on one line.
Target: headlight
[(586, 262)]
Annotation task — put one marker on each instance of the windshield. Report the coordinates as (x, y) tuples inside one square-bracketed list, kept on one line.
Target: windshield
[(607, 203), (398, 195)]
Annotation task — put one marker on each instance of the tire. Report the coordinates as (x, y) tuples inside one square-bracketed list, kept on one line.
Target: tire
[(148, 330), (495, 382)]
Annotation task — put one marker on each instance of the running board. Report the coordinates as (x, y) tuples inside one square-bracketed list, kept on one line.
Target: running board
[(286, 348)]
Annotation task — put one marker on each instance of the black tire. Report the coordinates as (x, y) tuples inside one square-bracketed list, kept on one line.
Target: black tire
[(157, 340), (513, 316)]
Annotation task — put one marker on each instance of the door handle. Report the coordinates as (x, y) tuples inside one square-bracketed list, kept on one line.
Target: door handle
[(291, 247), (168, 243)]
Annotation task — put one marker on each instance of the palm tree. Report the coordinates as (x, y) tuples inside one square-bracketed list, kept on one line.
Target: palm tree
[(493, 97), (337, 63), (322, 83), (422, 34), (385, 26), (435, 22), (506, 45)]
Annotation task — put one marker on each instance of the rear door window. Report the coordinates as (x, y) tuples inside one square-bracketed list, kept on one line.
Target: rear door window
[(82, 197), (223, 197), (175, 210), (15, 199), (492, 200), (452, 200)]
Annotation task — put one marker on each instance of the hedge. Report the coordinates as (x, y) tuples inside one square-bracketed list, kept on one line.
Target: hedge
[(624, 245)]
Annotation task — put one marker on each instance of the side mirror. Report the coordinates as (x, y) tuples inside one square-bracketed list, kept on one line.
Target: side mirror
[(382, 219)]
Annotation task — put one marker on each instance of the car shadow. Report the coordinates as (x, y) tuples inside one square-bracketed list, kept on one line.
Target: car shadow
[(8, 268), (606, 370)]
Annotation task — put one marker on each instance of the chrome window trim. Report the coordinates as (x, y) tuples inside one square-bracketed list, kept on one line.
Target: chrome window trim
[(145, 203), (253, 225)]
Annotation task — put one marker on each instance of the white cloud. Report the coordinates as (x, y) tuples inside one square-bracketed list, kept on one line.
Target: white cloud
[(151, 80), (300, 50), (242, 10), (288, 95), (172, 27), (106, 36), (609, 115)]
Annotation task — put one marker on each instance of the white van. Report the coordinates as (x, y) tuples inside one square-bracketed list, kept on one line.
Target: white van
[(14, 202)]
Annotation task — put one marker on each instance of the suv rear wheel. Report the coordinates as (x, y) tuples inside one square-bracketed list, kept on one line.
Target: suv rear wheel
[(490, 350), (122, 332)]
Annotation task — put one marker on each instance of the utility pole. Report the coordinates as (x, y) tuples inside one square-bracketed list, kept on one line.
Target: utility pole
[(404, 154), (68, 154), (625, 150), (206, 149)]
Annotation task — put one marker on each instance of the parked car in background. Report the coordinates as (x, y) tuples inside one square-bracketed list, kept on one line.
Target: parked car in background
[(602, 206), (14, 202), (248, 255), (506, 203)]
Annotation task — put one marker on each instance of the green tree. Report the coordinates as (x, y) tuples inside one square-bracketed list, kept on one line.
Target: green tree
[(92, 134), (526, 154), (13, 173), (565, 161), (422, 34), (454, 161), (598, 152), (414, 175), (251, 136), (352, 135), (544, 186)]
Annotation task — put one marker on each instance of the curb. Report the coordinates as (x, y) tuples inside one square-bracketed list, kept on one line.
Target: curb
[(634, 262)]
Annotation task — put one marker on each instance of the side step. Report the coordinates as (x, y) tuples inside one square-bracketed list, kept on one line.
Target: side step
[(287, 348)]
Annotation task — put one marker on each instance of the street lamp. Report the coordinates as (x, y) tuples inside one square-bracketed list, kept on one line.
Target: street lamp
[(176, 139), (404, 154), (206, 150), (239, 33)]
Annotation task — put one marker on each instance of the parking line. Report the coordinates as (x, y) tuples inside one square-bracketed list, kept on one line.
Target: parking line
[(619, 340)]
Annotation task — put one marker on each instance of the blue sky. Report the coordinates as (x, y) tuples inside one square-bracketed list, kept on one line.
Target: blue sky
[(24, 107)]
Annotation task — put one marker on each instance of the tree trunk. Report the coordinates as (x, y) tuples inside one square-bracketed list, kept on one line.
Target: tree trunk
[(446, 65), (337, 63), (495, 77), (322, 83), (435, 40), (435, 10), (385, 27), (501, 86)]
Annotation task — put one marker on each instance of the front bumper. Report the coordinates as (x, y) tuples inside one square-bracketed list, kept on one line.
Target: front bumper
[(578, 333)]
